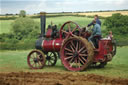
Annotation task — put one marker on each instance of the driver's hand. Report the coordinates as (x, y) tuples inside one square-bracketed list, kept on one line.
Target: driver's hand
[(88, 29)]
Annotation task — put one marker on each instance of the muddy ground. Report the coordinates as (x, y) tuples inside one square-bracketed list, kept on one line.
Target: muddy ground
[(53, 78)]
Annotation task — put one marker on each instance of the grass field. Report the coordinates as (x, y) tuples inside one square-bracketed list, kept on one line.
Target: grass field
[(5, 25), (15, 61)]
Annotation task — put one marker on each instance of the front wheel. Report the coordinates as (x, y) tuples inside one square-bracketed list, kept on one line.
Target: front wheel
[(36, 59)]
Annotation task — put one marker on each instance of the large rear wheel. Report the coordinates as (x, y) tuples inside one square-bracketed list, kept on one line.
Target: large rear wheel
[(76, 53)]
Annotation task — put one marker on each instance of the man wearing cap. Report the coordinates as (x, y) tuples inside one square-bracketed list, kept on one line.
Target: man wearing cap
[(96, 18)]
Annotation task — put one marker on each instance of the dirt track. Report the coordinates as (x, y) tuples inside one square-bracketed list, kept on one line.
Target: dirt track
[(27, 78)]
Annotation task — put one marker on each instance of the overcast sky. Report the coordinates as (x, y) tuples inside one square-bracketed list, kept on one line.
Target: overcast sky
[(35, 6)]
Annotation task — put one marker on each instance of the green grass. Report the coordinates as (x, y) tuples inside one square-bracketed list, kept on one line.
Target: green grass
[(15, 61), (117, 67), (81, 21), (5, 25)]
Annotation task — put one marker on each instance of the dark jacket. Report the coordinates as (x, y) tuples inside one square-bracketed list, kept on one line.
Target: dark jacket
[(97, 21)]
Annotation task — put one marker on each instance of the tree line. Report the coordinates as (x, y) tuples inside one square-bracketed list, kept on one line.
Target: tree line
[(118, 24), (25, 31)]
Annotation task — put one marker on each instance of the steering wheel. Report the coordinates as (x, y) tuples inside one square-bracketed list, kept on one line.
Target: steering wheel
[(69, 28)]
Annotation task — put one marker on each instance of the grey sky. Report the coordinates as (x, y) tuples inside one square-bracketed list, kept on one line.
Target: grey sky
[(35, 6)]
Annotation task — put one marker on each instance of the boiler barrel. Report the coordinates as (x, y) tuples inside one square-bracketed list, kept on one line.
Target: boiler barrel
[(49, 45)]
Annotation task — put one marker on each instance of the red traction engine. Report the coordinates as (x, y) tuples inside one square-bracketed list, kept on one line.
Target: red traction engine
[(71, 44)]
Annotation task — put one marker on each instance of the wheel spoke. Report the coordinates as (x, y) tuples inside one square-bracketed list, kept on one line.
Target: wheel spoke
[(52, 58), (78, 63), (50, 54), (77, 46), (64, 32), (38, 56), (68, 57), (39, 63), (33, 56), (74, 29), (72, 48), (69, 27), (72, 44), (50, 62), (69, 54), (71, 60), (81, 60), (33, 64), (68, 49), (71, 64), (83, 55), (84, 58), (81, 49)]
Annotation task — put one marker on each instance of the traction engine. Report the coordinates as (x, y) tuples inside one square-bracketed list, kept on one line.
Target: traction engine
[(71, 44)]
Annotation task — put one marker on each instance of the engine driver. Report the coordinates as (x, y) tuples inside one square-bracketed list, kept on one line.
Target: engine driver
[(96, 34)]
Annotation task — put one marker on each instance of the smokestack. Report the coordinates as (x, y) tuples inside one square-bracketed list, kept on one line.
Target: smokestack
[(43, 22)]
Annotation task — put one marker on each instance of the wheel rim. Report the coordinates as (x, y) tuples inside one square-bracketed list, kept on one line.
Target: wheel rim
[(68, 29), (74, 55), (36, 59), (51, 59)]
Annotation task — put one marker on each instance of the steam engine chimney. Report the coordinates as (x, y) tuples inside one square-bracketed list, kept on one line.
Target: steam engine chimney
[(43, 22)]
